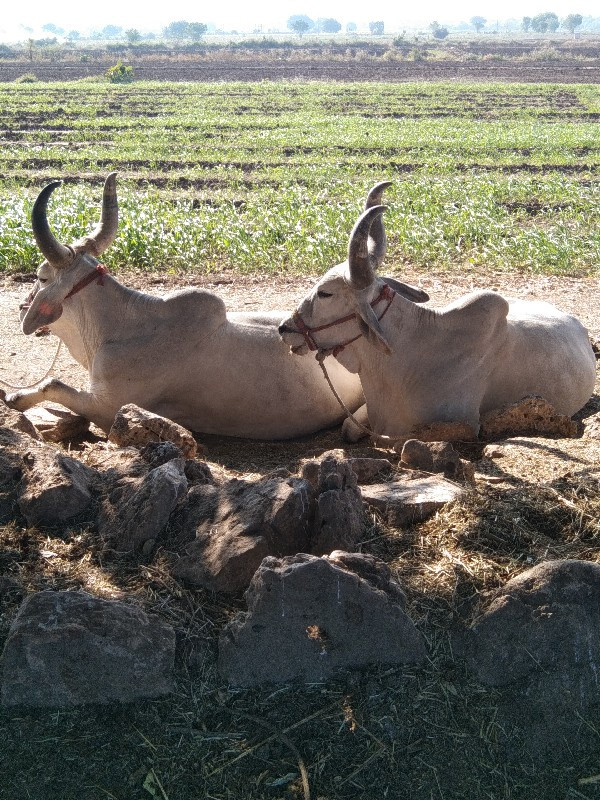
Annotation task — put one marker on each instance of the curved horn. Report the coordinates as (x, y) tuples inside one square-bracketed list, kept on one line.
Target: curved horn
[(105, 231), (377, 240), (360, 268), (57, 254)]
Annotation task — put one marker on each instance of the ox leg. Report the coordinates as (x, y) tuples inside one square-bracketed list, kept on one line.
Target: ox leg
[(350, 431), (55, 391)]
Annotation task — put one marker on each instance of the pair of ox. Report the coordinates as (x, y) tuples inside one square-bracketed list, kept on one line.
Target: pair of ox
[(186, 358)]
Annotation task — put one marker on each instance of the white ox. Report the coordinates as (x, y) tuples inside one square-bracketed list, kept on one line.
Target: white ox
[(420, 365), (182, 356)]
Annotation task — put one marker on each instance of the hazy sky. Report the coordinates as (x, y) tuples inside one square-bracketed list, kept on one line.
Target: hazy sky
[(245, 16)]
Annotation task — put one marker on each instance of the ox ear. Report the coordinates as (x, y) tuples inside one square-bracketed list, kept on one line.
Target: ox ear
[(370, 327), (41, 312), (406, 290)]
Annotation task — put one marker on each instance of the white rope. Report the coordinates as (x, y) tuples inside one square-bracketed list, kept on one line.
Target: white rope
[(48, 371), (321, 356)]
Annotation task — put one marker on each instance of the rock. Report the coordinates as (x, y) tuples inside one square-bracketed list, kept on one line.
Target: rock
[(544, 622), (56, 424), (367, 469), (310, 617), (531, 416), (136, 426), (69, 648), (17, 421), (54, 487), (409, 501), (159, 453), (439, 432), (139, 510), (240, 523), (493, 451), (339, 519), (436, 457)]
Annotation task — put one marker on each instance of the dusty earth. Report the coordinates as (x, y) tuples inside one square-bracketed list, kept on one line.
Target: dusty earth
[(449, 737)]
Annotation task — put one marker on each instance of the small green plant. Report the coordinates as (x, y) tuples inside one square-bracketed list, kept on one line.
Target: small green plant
[(120, 73), (28, 77)]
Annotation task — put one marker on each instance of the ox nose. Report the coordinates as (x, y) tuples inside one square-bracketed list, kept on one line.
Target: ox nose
[(284, 328)]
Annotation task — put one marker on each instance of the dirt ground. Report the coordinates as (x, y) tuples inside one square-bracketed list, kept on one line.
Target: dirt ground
[(385, 733)]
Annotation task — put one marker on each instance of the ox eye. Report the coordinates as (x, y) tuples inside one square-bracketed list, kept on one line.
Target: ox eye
[(321, 293)]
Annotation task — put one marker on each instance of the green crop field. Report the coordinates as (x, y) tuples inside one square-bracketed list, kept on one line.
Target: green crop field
[(271, 176)]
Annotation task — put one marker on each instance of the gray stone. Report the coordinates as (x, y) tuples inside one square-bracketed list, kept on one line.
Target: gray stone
[(134, 426), (238, 524), (367, 469), (436, 457), (17, 421), (57, 424), (404, 502), (54, 487), (543, 623), (339, 519), (310, 617), (70, 648), (531, 416), (139, 510)]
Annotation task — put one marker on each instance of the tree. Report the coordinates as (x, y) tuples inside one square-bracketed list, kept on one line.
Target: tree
[(545, 22), (72, 36), (50, 27), (377, 28), (196, 30), (111, 32), (300, 23), (526, 23), (177, 30), (439, 31), (351, 27), (478, 23), (572, 21), (329, 25), (133, 35)]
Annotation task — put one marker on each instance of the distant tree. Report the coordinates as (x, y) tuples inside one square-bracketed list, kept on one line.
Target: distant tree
[(329, 25), (439, 31), (196, 30), (111, 32), (548, 21), (351, 27), (572, 21), (177, 30), (377, 28), (50, 27), (300, 24), (526, 24), (478, 23), (72, 36), (133, 35)]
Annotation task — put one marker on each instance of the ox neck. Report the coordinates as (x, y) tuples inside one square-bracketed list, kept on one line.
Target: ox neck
[(96, 275)]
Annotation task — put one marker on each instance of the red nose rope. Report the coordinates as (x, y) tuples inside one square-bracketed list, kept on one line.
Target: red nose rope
[(98, 274), (387, 293)]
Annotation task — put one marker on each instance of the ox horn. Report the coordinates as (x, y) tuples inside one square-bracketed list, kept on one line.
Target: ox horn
[(57, 254), (377, 243), (105, 231), (360, 267)]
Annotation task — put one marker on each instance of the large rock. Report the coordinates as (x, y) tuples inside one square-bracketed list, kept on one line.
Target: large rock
[(54, 487), (134, 426), (309, 617), (339, 518), (436, 457), (57, 424), (531, 416), (544, 622), (238, 524), (17, 421), (404, 502), (137, 511), (69, 648)]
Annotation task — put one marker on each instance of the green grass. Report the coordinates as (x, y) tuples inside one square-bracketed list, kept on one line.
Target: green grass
[(271, 176)]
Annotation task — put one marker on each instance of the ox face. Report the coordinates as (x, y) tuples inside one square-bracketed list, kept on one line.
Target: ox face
[(349, 301), (64, 265)]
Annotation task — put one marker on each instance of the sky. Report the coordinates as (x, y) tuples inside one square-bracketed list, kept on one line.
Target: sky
[(246, 16)]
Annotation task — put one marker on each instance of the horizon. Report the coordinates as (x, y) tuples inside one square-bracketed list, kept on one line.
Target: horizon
[(266, 16)]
